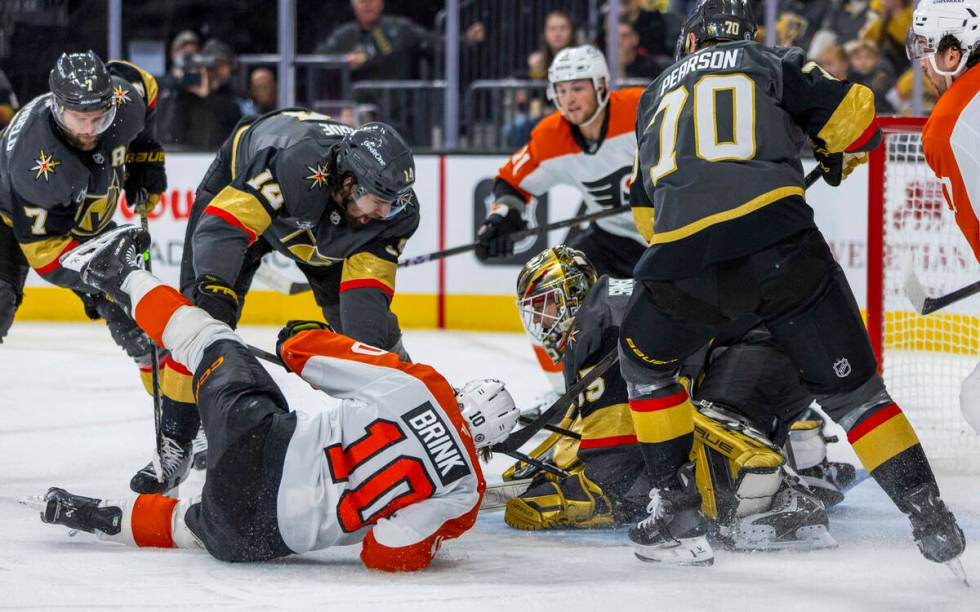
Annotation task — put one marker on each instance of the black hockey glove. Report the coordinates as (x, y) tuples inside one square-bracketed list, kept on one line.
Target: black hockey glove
[(146, 176), (9, 301), (217, 298), (294, 327), (494, 235), (836, 167)]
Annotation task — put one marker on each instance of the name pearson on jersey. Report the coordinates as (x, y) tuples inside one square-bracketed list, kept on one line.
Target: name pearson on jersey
[(721, 59), (438, 443)]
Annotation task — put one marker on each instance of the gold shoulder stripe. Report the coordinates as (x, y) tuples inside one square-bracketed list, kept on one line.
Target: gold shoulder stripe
[(367, 266), (850, 119), (643, 219), (244, 207), (727, 215)]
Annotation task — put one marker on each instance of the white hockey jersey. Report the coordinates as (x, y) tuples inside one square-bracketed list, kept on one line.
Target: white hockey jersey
[(393, 466), (555, 157)]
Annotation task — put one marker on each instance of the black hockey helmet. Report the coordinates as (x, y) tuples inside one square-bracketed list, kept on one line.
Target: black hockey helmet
[(717, 20), (81, 82), (379, 159)]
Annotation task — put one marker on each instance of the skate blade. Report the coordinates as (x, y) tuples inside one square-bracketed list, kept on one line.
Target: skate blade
[(686, 552), (814, 537), (956, 566), (34, 502)]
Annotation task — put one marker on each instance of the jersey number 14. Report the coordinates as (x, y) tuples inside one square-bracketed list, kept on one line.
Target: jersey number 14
[(707, 144)]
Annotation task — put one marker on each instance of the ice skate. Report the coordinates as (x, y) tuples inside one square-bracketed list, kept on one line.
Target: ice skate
[(674, 531), (934, 527), (797, 520), (104, 262), (79, 513), (175, 464)]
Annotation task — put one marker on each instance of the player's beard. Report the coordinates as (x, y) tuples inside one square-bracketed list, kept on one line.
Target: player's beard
[(82, 143), (350, 208)]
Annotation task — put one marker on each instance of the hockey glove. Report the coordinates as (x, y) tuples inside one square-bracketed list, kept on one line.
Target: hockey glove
[(9, 301), (294, 327), (146, 176), (494, 235), (217, 298), (836, 167)]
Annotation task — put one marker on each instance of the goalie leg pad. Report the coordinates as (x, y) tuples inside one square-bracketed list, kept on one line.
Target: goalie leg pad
[(574, 502)]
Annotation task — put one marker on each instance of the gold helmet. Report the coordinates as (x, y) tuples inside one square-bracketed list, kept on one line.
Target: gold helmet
[(550, 290)]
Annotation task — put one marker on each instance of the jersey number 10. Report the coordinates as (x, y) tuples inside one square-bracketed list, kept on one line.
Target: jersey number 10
[(707, 145)]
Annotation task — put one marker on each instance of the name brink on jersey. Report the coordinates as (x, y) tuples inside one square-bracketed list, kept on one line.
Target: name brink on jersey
[(439, 444), (721, 59)]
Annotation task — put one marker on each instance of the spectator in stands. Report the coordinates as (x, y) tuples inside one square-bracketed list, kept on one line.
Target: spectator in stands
[(844, 22), (799, 21), (185, 43), (657, 29), (379, 46), (8, 101), (887, 28), (205, 108), (634, 63), (834, 60), (261, 92), (867, 68), (559, 32)]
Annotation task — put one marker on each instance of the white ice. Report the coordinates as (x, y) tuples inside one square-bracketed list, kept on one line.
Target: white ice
[(73, 414)]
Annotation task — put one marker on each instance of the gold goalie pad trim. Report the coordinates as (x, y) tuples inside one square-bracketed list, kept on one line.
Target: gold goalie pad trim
[(736, 474)]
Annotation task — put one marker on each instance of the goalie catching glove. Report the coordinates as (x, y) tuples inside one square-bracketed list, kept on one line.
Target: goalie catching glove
[(146, 175), (494, 235), (488, 409)]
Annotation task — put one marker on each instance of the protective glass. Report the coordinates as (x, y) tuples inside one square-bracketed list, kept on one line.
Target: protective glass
[(86, 123)]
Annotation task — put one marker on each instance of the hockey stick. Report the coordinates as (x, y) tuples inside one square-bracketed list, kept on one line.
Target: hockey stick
[(521, 436), (552, 428), (141, 207), (917, 294), (277, 281), (535, 231)]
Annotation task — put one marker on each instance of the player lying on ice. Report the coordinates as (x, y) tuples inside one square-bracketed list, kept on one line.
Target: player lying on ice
[(762, 472), (392, 466)]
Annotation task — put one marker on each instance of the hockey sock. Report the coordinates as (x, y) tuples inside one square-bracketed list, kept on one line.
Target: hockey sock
[(664, 424), (888, 448), (172, 321)]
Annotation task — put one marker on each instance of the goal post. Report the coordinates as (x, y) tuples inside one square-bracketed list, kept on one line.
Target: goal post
[(923, 358)]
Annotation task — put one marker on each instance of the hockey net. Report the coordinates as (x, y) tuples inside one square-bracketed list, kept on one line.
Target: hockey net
[(923, 358)]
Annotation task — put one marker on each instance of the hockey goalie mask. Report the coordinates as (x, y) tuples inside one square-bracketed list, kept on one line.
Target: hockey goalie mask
[(550, 289), (935, 19)]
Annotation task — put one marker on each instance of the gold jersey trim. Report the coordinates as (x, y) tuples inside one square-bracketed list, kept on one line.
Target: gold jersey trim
[(850, 119), (727, 215), (244, 207), (361, 266)]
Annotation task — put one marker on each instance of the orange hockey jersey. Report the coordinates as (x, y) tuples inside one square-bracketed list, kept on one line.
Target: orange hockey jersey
[(951, 143)]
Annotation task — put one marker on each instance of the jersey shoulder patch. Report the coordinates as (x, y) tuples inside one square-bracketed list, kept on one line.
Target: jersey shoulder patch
[(43, 171)]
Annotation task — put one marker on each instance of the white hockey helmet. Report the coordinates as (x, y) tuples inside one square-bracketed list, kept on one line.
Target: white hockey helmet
[(488, 409), (934, 19), (574, 63)]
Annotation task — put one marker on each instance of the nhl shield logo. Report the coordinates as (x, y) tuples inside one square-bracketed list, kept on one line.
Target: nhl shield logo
[(842, 367), (335, 217)]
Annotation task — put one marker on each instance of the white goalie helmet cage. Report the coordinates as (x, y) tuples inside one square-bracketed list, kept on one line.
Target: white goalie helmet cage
[(934, 19), (575, 63)]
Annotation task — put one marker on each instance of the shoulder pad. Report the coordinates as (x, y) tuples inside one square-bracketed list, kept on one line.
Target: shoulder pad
[(142, 81), (303, 171), (43, 171)]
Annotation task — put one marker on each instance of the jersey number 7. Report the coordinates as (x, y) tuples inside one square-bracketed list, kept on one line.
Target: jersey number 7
[(707, 144), (400, 482)]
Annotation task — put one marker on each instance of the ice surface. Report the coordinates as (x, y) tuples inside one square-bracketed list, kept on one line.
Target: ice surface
[(74, 415)]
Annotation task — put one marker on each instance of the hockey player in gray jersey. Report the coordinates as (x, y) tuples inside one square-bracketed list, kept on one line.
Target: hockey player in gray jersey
[(718, 168), (757, 493), (392, 466), (64, 160), (337, 201)]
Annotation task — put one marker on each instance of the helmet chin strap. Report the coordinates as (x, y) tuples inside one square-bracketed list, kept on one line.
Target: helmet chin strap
[(949, 75), (602, 101)]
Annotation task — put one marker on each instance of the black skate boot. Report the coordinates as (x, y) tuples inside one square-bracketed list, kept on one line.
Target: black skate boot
[(104, 262), (797, 520), (80, 513), (175, 463), (200, 450), (674, 530), (934, 527), (829, 480)]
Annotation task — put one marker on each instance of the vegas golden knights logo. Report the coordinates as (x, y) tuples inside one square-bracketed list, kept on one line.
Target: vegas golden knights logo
[(96, 211), (302, 245)]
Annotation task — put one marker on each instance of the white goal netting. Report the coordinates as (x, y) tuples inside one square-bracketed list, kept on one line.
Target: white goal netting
[(925, 358)]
